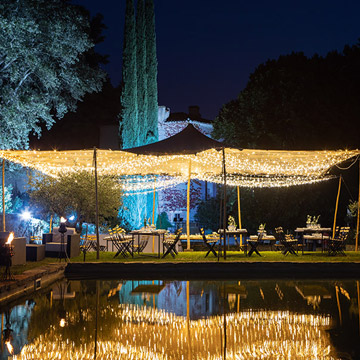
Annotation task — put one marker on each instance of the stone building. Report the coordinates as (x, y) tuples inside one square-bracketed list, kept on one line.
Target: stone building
[(173, 200)]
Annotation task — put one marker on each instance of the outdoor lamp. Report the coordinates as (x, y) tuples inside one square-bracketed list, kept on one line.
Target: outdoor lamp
[(26, 215), (62, 231), (62, 228)]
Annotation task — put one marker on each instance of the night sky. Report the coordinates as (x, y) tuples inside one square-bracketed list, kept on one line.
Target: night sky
[(207, 49)]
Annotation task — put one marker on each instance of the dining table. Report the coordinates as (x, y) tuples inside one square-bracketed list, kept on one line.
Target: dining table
[(302, 231), (236, 233), (159, 233), (265, 239)]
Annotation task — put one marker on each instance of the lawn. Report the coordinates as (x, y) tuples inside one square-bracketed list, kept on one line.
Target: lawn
[(199, 256)]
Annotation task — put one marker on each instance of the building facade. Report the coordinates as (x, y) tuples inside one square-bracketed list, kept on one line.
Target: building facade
[(173, 200)]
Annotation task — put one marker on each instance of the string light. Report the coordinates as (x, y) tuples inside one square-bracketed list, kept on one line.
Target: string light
[(146, 333), (254, 168)]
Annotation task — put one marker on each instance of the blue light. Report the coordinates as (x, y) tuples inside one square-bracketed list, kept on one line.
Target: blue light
[(26, 215), (72, 217)]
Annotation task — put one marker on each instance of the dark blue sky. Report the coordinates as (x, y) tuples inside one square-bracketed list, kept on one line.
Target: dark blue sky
[(207, 49)]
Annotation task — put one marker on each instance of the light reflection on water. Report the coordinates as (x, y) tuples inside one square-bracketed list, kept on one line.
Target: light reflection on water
[(186, 320)]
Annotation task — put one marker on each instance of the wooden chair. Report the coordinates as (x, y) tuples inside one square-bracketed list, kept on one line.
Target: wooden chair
[(123, 245), (210, 243), (287, 241), (254, 244), (336, 245), (88, 243), (170, 244)]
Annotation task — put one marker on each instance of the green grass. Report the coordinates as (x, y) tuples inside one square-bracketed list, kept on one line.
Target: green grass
[(198, 256)]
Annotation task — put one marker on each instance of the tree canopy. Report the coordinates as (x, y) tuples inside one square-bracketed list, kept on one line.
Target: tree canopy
[(296, 102), (74, 193), (47, 64), (139, 98)]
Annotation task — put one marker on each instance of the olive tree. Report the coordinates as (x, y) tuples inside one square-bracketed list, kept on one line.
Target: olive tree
[(74, 193)]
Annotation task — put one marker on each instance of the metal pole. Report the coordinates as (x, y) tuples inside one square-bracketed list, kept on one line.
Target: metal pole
[(336, 207), (188, 209), (3, 192), (224, 217), (358, 214), (97, 207)]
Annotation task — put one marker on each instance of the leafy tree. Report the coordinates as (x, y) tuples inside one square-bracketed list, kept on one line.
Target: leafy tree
[(10, 204), (151, 66), (208, 213), (296, 102), (293, 103), (75, 193), (129, 127), (43, 67)]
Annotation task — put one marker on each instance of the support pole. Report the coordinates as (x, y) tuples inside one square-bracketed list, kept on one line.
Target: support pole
[(188, 209), (358, 214), (336, 207), (50, 225), (3, 193), (239, 212), (154, 197), (153, 215), (224, 217), (96, 207)]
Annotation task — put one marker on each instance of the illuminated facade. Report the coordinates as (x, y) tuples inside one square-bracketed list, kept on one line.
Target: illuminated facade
[(173, 200)]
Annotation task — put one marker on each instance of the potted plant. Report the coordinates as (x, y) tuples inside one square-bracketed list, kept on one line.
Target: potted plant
[(262, 229), (231, 223), (312, 221)]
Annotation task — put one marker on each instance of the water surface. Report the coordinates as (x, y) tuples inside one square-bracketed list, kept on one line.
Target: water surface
[(277, 319)]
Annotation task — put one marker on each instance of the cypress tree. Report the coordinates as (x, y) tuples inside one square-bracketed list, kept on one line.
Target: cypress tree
[(141, 70), (129, 126), (151, 69)]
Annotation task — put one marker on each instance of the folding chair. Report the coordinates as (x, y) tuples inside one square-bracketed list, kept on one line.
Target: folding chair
[(170, 244), (287, 241), (210, 243), (337, 244), (254, 244), (123, 245)]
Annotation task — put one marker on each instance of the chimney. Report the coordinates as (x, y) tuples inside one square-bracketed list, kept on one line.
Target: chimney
[(194, 112)]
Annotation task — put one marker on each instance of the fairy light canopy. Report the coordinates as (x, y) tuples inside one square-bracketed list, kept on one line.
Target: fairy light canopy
[(171, 158)]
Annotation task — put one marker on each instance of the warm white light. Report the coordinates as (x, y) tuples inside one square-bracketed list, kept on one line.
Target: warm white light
[(145, 333), (10, 238), (62, 220), (62, 322), (72, 217), (9, 347), (26, 215), (247, 167)]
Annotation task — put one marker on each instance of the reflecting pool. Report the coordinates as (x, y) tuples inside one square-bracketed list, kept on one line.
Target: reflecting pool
[(277, 319)]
